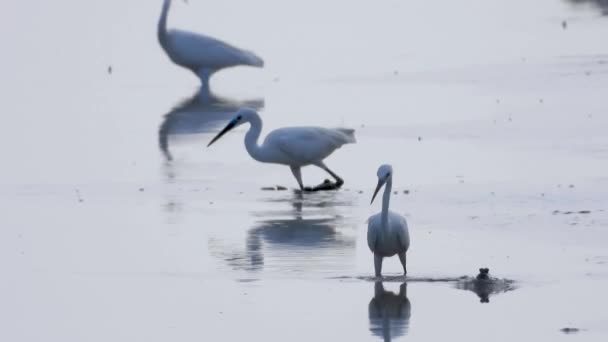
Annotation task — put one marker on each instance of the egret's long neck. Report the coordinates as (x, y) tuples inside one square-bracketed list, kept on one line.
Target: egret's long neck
[(251, 139), (386, 198), (162, 22)]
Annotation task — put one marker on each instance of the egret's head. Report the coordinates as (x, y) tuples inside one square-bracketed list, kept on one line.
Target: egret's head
[(385, 173), (242, 116)]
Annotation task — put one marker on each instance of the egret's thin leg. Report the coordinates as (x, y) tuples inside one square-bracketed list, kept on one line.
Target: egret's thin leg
[(378, 265), (403, 262), (204, 75), (339, 181), (297, 173)]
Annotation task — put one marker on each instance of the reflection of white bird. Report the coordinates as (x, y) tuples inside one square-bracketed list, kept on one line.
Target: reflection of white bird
[(389, 313), (387, 232), (201, 54), (293, 146)]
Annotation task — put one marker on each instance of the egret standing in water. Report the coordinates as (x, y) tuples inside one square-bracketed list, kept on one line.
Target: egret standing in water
[(295, 147), (201, 54), (387, 232)]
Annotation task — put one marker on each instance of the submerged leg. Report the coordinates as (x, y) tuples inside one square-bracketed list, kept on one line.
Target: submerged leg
[(378, 265), (403, 262)]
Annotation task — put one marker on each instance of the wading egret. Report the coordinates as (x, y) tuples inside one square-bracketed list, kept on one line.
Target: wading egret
[(292, 146), (387, 232), (201, 54)]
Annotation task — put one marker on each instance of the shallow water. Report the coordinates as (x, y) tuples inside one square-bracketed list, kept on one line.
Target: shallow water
[(119, 224)]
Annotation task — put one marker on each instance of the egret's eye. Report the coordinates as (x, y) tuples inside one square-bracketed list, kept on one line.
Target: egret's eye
[(238, 118)]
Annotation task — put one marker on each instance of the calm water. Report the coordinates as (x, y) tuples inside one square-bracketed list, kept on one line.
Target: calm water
[(119, 224)]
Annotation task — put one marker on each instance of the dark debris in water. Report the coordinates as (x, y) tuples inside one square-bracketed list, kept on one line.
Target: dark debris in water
[(274, 188), (483, 284), (569, 330), (570, 212)]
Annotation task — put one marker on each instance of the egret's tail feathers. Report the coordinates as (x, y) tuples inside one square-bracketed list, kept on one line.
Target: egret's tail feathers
[(349, 135), (254, 60)]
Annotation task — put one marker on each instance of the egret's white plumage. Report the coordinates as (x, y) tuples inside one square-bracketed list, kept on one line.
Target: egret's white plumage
[(295, 147), (387, 232), (201, 54)]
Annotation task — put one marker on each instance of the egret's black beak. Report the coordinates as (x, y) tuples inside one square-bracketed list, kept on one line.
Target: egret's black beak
[(228, 127), (378, 187)]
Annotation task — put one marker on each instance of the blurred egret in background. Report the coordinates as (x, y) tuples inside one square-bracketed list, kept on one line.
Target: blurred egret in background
[(201, 54)]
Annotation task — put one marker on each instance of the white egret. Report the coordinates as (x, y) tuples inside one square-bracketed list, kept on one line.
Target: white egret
[(387, 232), (201, 54), (295, 147)]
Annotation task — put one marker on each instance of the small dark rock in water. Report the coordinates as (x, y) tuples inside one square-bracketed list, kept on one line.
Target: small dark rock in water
[(571, 186), (360, 191), (141, 189), (419, 138), (281, 188), (541, 100), (395, 72), (485, 285), (564, 24), (555, 212), (407, 192), (484, 273), (268, 188), (569, 330), (110, 70), (395, 192), (585, 212)]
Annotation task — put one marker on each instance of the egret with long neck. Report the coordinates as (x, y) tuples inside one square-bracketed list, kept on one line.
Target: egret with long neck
[(201, 54), (387, 232), (295, 147)]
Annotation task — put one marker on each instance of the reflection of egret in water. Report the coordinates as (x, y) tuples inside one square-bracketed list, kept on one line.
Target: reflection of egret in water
[(296, 244), (601, 4), (201, 113), (389, 313)]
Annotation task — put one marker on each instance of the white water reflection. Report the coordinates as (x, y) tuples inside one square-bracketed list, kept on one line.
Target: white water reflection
[(389, 312)]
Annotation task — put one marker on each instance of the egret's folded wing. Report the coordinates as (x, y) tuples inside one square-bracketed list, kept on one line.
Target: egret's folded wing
[(310, 144)]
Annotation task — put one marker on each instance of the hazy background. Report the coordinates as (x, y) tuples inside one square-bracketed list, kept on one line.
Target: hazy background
[(492, 113)]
